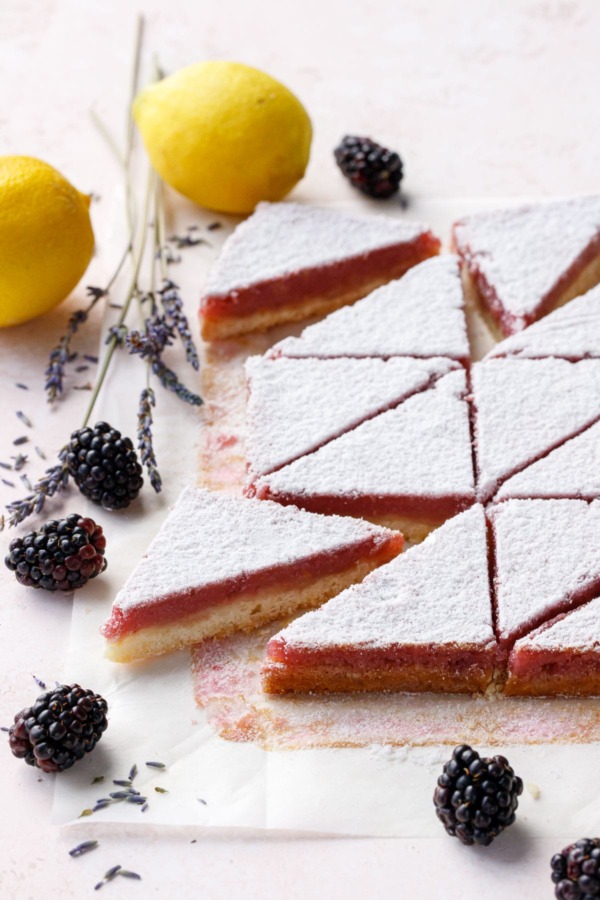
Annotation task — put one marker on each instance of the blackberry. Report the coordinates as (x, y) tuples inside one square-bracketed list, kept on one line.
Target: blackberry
[(476, 798), (371, 168), (60, 728), (104, 465), (576, 870), (62, 556)]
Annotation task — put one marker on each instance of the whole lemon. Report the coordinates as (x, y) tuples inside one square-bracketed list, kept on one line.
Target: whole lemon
[(46, 238), (225, 135)]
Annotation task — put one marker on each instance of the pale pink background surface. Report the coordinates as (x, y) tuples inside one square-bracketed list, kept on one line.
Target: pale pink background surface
[(482, 99)]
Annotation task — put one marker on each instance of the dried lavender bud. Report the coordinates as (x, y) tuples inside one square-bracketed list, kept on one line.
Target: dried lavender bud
[(83, 848), (182, 241), (116, 333), (108, 876), (96, 293)]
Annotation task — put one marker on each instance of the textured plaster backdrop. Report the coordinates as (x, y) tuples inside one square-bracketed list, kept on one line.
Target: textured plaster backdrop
[(482, 99)]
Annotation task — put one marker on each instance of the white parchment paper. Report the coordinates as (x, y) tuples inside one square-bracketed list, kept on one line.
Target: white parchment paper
[(216, 783)]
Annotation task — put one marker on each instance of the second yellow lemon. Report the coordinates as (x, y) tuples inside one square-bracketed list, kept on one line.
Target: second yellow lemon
[(46, 238), (225, 135)]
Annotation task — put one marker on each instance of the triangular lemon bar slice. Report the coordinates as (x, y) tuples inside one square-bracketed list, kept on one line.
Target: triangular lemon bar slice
[(525, 262), (297, 405), (221, 564), (525, 409), (572, 471), (421, 314), (571, 332), (421, 623), (547, 561), (288, 261), (561, 657), (410, 467)]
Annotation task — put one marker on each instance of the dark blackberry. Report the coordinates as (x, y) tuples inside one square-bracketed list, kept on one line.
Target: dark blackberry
[(60, 728), (371, 168), (62, 556), (476, 798), (576, 870), (104, 465)]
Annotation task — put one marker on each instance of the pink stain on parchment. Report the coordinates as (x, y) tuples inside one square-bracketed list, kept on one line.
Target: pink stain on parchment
[(226, 673), (226, 676)]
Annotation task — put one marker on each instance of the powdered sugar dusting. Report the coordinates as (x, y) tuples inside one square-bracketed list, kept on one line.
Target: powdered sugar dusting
[(210, 537), (281, 238), (571, 332), (572, 470), (547, 551), (421, 314), (578, 630), (295, 405), (522, 253), (435, 593), (421, 448), (526, 408)]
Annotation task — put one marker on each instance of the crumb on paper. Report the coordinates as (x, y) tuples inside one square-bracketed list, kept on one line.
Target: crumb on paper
[(534, 790)]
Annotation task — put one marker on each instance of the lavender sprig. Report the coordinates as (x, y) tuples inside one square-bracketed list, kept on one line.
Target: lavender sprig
[(171, 300), (61, 354), (145, 444), (171, 382), (55, 479)]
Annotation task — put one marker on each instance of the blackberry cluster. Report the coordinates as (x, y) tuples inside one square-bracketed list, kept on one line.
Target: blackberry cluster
[(476, 798), (576, 870), (62, 556), (373, 169), (60, 728), (104, 466)]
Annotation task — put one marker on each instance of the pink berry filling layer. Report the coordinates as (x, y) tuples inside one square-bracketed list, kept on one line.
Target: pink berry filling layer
[(297, 287), (505, 320), (177, 606), (431, 510)]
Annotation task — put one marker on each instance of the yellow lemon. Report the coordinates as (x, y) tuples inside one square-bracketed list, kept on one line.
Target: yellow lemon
[(225, 135), (46, 238)]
